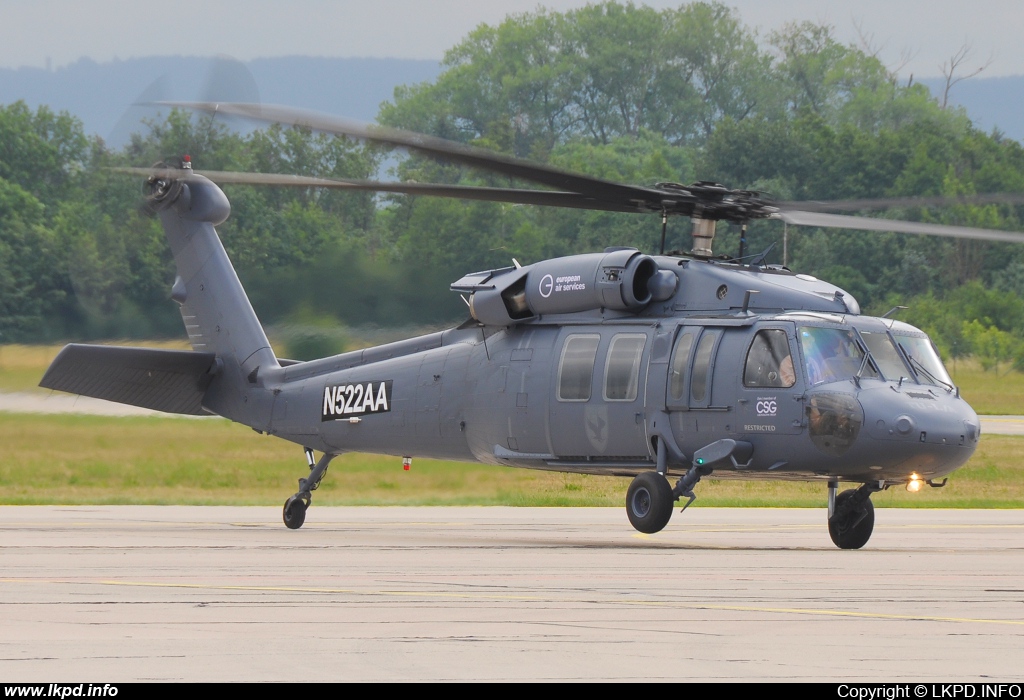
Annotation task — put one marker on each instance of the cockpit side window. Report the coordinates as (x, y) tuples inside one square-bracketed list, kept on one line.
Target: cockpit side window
[(831, 354), (769, 361)]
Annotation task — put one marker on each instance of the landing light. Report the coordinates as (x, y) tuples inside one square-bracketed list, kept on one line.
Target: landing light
[(915, 483)]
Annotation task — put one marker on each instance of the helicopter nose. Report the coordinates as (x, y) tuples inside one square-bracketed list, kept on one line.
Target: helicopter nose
[(924, 418), (923, 426)]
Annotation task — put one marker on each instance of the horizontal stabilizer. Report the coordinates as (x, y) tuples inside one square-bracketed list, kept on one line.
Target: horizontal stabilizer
[(172, 381)]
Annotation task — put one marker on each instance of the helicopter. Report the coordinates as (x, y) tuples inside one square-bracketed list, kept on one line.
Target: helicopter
[(661, 367)]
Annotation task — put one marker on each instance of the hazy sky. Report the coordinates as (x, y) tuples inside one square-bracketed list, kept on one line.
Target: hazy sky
[(33, 32)]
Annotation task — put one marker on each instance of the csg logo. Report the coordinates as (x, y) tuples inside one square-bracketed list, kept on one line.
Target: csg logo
[(767, 406)]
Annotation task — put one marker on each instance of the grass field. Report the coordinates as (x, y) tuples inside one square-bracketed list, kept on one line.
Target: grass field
[(993, 393), (73, 459)]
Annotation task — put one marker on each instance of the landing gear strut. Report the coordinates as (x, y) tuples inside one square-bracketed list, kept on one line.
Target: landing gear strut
[(295, 507), (684, 487), (649, 500), (851, 515)]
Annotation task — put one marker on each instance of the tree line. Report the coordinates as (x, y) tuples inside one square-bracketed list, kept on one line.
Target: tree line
[(615, 90)]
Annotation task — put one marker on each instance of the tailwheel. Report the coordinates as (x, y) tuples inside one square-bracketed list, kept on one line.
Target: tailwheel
[(853, 520), (295, 507), (649, 502), (295, 512)]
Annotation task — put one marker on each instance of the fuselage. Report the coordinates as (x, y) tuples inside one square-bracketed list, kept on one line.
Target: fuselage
[(818, 394)]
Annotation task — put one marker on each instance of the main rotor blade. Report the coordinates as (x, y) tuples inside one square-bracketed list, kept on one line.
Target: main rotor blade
[(907, 202), (863, 223), (234, 178), (572, 200), (639, 197), (546, 198)]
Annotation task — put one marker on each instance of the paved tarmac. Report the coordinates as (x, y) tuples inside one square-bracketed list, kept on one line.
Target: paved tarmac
[(1002, 425), (133, 593)]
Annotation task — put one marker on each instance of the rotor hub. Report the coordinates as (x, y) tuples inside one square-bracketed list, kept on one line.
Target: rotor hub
[(161, 189)]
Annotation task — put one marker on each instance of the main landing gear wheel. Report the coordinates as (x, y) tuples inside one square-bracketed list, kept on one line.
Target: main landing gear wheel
[(852, 524), (295, 512), (649, 502)]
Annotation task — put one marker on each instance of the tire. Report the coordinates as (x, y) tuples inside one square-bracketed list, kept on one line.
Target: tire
[(649, 502), (294, 513), (853, 530)]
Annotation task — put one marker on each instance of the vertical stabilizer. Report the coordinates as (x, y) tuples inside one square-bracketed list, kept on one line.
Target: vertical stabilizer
[(217, 314)]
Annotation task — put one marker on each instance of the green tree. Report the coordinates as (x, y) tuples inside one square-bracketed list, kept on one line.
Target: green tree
[(29, 257), (989, 344), (41, 151), (598, 72)]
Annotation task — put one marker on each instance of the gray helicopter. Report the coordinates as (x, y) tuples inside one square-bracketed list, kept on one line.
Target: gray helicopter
[(658, 367)]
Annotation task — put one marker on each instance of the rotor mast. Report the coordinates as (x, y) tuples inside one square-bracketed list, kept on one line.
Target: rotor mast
[(703, 236)]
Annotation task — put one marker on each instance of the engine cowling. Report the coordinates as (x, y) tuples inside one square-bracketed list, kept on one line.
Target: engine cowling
[(622, 279)]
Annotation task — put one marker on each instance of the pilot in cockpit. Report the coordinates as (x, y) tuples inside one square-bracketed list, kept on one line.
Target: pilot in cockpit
[(830, 354), (786, 372)]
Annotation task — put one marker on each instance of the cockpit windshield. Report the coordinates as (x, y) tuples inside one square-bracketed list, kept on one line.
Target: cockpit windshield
[(924, 359), (831, 354), (885, 354)]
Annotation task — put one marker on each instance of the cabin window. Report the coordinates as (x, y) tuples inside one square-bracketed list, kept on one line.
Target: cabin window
[(701, 367), (622, 368), (680, 361), (576, 368), (769, 361)]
